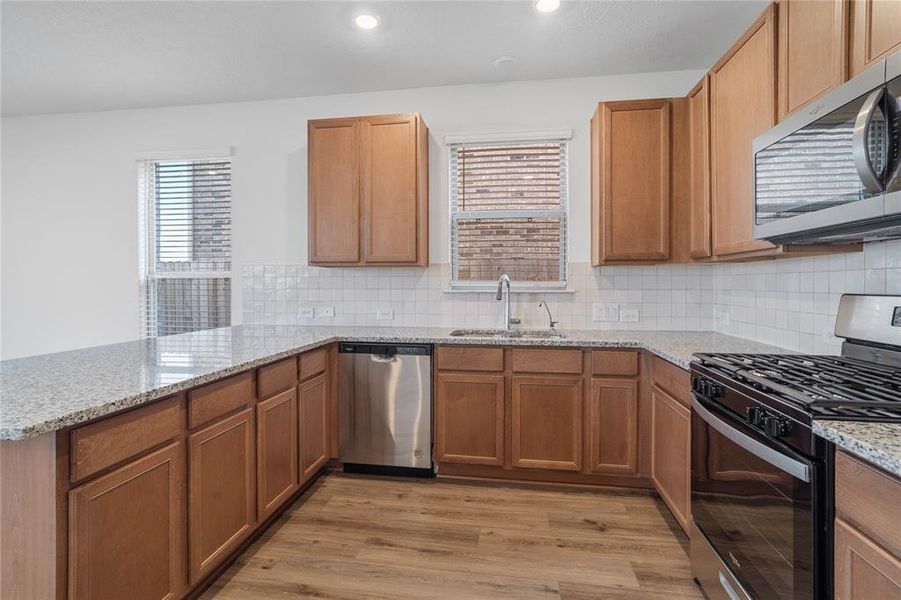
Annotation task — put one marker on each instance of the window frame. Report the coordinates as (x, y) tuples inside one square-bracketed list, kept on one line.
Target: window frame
[(452, 142), (147, 268)]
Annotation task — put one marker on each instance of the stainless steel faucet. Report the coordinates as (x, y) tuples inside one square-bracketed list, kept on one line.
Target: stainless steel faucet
[(549, 317), (508, 320)]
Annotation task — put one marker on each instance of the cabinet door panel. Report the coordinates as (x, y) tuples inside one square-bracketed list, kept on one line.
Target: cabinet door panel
[(469, 419), (813, 50), (277, 450), (863, 569), (333, 191), (126, 536), (313, 406), (390, 189), (875, 31), (742, 106), (699, 140), (221, 494), (635, 180), (614, 426), (547, 423), (670, 454)]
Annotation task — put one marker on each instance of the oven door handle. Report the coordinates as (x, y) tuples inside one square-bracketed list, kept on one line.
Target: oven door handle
[(779, 460)]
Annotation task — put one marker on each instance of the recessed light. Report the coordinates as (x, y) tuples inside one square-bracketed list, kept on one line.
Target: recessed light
[(547, 6), (366, 21)]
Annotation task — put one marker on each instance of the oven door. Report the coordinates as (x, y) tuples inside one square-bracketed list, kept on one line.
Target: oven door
[(752, 501)]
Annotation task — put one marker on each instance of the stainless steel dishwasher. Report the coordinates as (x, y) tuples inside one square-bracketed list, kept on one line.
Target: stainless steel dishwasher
[(385, 408)]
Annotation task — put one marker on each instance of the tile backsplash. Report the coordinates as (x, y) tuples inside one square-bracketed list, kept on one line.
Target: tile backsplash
[(787, 302)]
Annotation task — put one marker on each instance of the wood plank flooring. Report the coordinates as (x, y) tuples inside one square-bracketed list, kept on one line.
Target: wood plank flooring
[(358, 537)]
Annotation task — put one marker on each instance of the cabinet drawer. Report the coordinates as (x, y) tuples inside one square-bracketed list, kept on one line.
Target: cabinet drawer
[(105, 443), (464, 358), (868, 499), (614, 362), (313, 363), (276, 377), (217, 399), (671, 379), (547, 361)]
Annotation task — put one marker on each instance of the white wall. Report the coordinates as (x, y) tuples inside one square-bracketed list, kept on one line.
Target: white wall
[(69, 243)]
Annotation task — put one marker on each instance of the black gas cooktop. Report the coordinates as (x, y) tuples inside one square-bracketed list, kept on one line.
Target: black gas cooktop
[(826, 387)]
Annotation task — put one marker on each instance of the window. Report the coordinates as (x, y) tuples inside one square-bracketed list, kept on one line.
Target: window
[(185, 206), (508, 212)]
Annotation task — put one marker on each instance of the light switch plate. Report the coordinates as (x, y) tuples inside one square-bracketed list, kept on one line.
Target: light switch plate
[(605, 312), (384, 314), (305, 312), (325, 311), (630, 314)]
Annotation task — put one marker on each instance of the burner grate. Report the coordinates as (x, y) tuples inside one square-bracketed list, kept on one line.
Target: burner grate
[(825, 386)]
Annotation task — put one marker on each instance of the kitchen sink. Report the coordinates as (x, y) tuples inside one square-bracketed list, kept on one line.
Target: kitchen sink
[(517, 334)]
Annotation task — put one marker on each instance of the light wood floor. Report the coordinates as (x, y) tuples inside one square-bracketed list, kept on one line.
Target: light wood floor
[(353, 537)]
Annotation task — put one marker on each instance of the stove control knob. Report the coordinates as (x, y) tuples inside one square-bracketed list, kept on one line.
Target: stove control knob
[(777, 427), (716, 390), (756, 416)]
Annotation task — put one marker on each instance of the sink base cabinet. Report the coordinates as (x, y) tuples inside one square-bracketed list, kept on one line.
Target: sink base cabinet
[(541, 414)]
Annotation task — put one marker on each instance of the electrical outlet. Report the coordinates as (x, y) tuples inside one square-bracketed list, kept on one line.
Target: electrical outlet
[(384, 314), (723, 318), (605, 312), (325, 311), (630, 314), (306, 312)]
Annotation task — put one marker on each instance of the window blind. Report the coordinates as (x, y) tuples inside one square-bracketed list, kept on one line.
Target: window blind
[(186, 237), (508, 212)]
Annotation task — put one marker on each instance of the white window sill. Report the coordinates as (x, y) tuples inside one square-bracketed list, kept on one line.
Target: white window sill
[(513, 289)]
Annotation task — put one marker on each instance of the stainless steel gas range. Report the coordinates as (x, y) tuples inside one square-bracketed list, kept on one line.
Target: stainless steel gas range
[(761, 481)]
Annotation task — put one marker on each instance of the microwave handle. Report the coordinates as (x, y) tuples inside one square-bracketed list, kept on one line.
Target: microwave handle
[(862, 163), (784, 463)]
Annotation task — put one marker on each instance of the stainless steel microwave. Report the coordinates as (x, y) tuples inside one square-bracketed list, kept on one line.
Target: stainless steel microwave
[(830, 173)]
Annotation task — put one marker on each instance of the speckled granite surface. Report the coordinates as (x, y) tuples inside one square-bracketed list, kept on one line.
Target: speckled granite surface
[(45, 393), (878, 443)]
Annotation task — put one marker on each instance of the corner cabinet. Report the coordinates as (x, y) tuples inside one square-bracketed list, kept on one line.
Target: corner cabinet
[(630, 182), (368, 196)]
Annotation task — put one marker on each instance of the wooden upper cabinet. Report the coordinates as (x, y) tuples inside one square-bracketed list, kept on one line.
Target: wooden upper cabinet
[(469, 418), (875, 31), (390, 194), (547, 423), (813, 50), (368, 190), (334, 191), (699, 175), (631, 181), (614, 426), (742, 106), (221, 492), (126, 531)]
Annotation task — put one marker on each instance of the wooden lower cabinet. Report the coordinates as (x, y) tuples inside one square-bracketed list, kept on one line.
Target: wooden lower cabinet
[(864, 570), (671, 454), (614, 426), (126, 536), (277, 451), (313, 404), (546, 423), (469, 418), (221, 492)]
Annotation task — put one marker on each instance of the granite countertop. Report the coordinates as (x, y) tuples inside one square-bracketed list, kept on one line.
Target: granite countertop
[(45, 393), (877, 443)]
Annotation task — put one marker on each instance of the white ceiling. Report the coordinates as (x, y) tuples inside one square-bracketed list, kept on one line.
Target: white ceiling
[(87, 56)]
